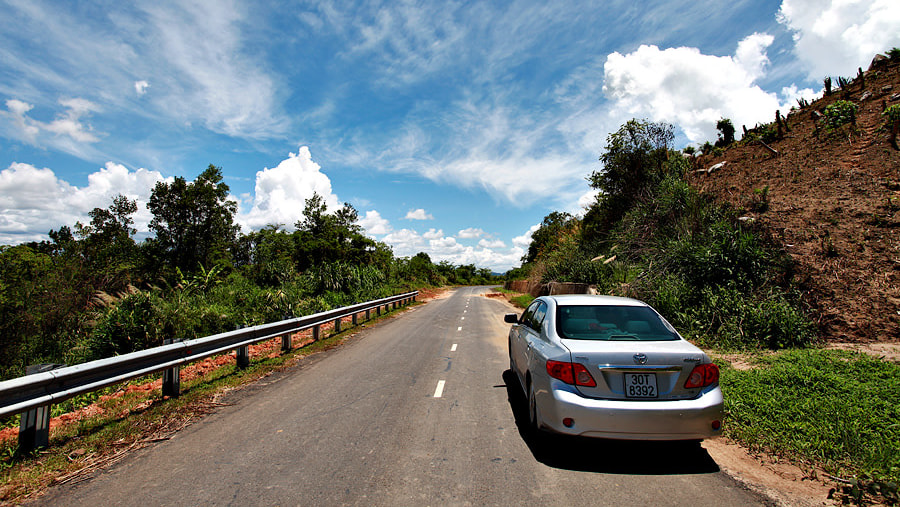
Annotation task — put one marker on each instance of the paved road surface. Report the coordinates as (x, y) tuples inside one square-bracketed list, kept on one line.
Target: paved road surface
[(362, 425)]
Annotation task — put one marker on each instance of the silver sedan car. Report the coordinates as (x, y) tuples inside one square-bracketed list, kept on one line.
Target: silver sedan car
[(610, 367)]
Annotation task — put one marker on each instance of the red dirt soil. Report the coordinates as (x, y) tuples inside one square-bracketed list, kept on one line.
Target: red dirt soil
[(834, 206)]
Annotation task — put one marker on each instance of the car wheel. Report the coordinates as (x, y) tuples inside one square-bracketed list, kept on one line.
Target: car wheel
[(533, 423)]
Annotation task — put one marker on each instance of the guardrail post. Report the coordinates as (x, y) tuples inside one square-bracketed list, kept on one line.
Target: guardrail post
[(354, 319), (243, 356), (395, 305), (316, 331), (337, 326), (378, 310), (414, 299), (286, 345), (34, 424), (368, 314), (171, 381)]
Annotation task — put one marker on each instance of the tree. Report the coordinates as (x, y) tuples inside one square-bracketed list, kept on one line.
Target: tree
[(193, 222), (726, 132), (328, 237), (635, 160), (107, 243), (545, 238), (270, 260)]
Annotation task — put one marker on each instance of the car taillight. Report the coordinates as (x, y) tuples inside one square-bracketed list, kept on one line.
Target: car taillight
[(571, 373), (702, 375)]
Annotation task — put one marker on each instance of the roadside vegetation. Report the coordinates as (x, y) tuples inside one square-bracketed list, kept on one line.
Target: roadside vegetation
[(728, 286), (838, 410), (94, 291), (130, 416)]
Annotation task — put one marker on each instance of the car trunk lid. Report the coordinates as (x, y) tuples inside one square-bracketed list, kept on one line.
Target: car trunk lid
[(637, 370)]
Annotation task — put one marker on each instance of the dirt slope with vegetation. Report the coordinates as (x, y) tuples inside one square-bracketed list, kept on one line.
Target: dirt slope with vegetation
[(831, 197)]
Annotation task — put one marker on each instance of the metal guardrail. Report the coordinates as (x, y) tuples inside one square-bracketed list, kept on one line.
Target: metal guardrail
[(39, 391)]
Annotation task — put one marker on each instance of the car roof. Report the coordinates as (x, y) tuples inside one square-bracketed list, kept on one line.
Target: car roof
[(592, 300)]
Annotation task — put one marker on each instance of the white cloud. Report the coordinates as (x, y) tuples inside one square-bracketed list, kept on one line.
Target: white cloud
[(207, 64), (67, 125), (280, 193), (693, 90), (405, 242), (490, 254), (433, 234), (418, 214), (213, 76), (34, 201), (834, 37), (524, 240), (445, 246), (470, 233), (587, 199), (486, 243), (374, 224)]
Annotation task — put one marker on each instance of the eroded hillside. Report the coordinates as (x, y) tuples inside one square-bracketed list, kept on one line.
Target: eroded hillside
[(832, 198)]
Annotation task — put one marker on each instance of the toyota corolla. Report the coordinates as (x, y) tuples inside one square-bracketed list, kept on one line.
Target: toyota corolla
[(611, 367)]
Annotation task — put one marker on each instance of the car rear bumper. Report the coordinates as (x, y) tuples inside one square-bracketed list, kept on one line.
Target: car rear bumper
[(631, 420)]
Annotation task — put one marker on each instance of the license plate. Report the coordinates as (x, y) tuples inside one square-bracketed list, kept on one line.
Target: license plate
[(640, 385)]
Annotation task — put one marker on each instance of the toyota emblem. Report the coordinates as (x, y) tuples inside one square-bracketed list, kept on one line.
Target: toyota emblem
[(640, 359)]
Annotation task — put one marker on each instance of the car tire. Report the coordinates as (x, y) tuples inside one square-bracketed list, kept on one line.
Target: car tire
[(533, 423)]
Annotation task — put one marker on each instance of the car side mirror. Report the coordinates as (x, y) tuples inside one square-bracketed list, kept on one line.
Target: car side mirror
[(511, 318)]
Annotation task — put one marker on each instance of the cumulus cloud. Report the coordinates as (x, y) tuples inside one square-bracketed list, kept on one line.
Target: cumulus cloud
[(445, 246), (405, 242), (834, 37), (280, 193), (433, 234), (374, 224), (418, 214), (524, 240), (34, 200), (492, 254), (588, 198), (486, 243), (470, 233), (690, 89), (140, 87)]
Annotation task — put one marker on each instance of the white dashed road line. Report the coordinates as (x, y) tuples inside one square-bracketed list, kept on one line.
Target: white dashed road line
[(440, 389)]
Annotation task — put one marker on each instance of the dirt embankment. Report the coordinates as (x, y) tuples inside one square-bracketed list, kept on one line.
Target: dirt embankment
[(832, 200)]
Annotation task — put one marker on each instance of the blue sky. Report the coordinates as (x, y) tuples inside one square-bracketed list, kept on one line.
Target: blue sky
[(452, 127)]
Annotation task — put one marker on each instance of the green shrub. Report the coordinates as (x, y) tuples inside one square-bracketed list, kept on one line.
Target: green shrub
[(127, 324), (839, 113)]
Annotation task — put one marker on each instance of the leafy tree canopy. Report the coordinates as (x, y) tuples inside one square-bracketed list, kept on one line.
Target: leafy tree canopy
[(193, 222)]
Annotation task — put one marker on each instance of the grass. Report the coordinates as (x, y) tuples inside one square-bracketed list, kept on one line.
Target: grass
[(135, 420), (834, 409), (522, 301), (516, 298)]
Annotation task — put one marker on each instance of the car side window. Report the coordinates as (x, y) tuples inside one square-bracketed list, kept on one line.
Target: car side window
[(528, 315), (538, 317)]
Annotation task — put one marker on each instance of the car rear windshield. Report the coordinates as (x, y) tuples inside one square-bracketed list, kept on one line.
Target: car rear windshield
[(613, 323)]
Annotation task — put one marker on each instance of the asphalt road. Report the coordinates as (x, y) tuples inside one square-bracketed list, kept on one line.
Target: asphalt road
[(413, 411)]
